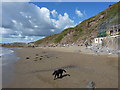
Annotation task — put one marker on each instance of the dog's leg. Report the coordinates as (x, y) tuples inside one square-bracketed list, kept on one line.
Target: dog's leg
[(55, 77), (60, 74)]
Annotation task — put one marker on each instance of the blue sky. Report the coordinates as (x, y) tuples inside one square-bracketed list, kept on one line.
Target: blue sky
[(27, 22), (88, 8)]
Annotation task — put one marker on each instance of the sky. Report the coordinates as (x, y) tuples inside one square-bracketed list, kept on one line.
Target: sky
[(31, 21)]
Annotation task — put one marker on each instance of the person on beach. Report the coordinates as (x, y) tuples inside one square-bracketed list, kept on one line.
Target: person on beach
[(86, 44), (58, 73)]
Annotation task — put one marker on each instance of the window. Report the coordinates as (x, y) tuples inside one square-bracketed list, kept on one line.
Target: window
[(111, 31), (119, 30)]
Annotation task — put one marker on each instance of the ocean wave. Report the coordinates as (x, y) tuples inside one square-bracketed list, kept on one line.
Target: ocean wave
[(5, 51)]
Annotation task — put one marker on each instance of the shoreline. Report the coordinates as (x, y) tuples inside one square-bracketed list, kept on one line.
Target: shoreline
[(8, 62), (78, 49), (36, 73)]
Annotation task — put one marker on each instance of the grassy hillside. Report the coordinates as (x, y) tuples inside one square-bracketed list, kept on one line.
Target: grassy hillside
[(87, 29)]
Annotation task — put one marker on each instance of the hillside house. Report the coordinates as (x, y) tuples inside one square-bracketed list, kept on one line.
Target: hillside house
[(113, 30), (98, 40)]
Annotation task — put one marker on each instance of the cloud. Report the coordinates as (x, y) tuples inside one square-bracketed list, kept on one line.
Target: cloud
[(26, 39), (54, 13), (23, 20), (79, 13), (64, 21)]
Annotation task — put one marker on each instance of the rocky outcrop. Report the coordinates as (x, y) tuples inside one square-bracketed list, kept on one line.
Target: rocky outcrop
[(111, 42)]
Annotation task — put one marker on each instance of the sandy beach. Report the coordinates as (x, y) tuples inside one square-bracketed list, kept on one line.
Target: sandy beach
[(36, 65)]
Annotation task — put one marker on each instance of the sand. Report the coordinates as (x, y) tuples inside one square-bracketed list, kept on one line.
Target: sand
[(33, 72)]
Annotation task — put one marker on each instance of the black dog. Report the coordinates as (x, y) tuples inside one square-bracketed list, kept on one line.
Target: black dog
[(58, 73)]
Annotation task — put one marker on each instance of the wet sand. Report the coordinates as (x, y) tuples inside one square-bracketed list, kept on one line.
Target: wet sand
[(35, 68)]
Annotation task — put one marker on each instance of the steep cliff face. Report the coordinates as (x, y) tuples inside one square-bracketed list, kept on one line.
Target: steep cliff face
[(86, 30)]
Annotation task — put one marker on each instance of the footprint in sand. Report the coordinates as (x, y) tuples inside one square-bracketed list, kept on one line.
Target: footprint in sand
[(47, 56), (36, 54), (36, 57), (35, 60), (40, 58), (27, 58)]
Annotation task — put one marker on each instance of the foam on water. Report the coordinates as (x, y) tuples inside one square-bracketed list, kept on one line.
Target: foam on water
[(5, 51)]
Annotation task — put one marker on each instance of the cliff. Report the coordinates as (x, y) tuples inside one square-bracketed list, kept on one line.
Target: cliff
[(86, 30)]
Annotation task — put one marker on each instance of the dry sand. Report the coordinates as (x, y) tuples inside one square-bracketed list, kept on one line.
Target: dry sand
[(36, 73)]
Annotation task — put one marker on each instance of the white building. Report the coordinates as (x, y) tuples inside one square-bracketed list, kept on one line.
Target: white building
[(98, 40)]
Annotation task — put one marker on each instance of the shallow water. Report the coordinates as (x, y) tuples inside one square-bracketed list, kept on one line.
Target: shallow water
[(8, 58)]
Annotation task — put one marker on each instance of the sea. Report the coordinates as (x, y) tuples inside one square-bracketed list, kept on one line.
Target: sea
[(7, 60)]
